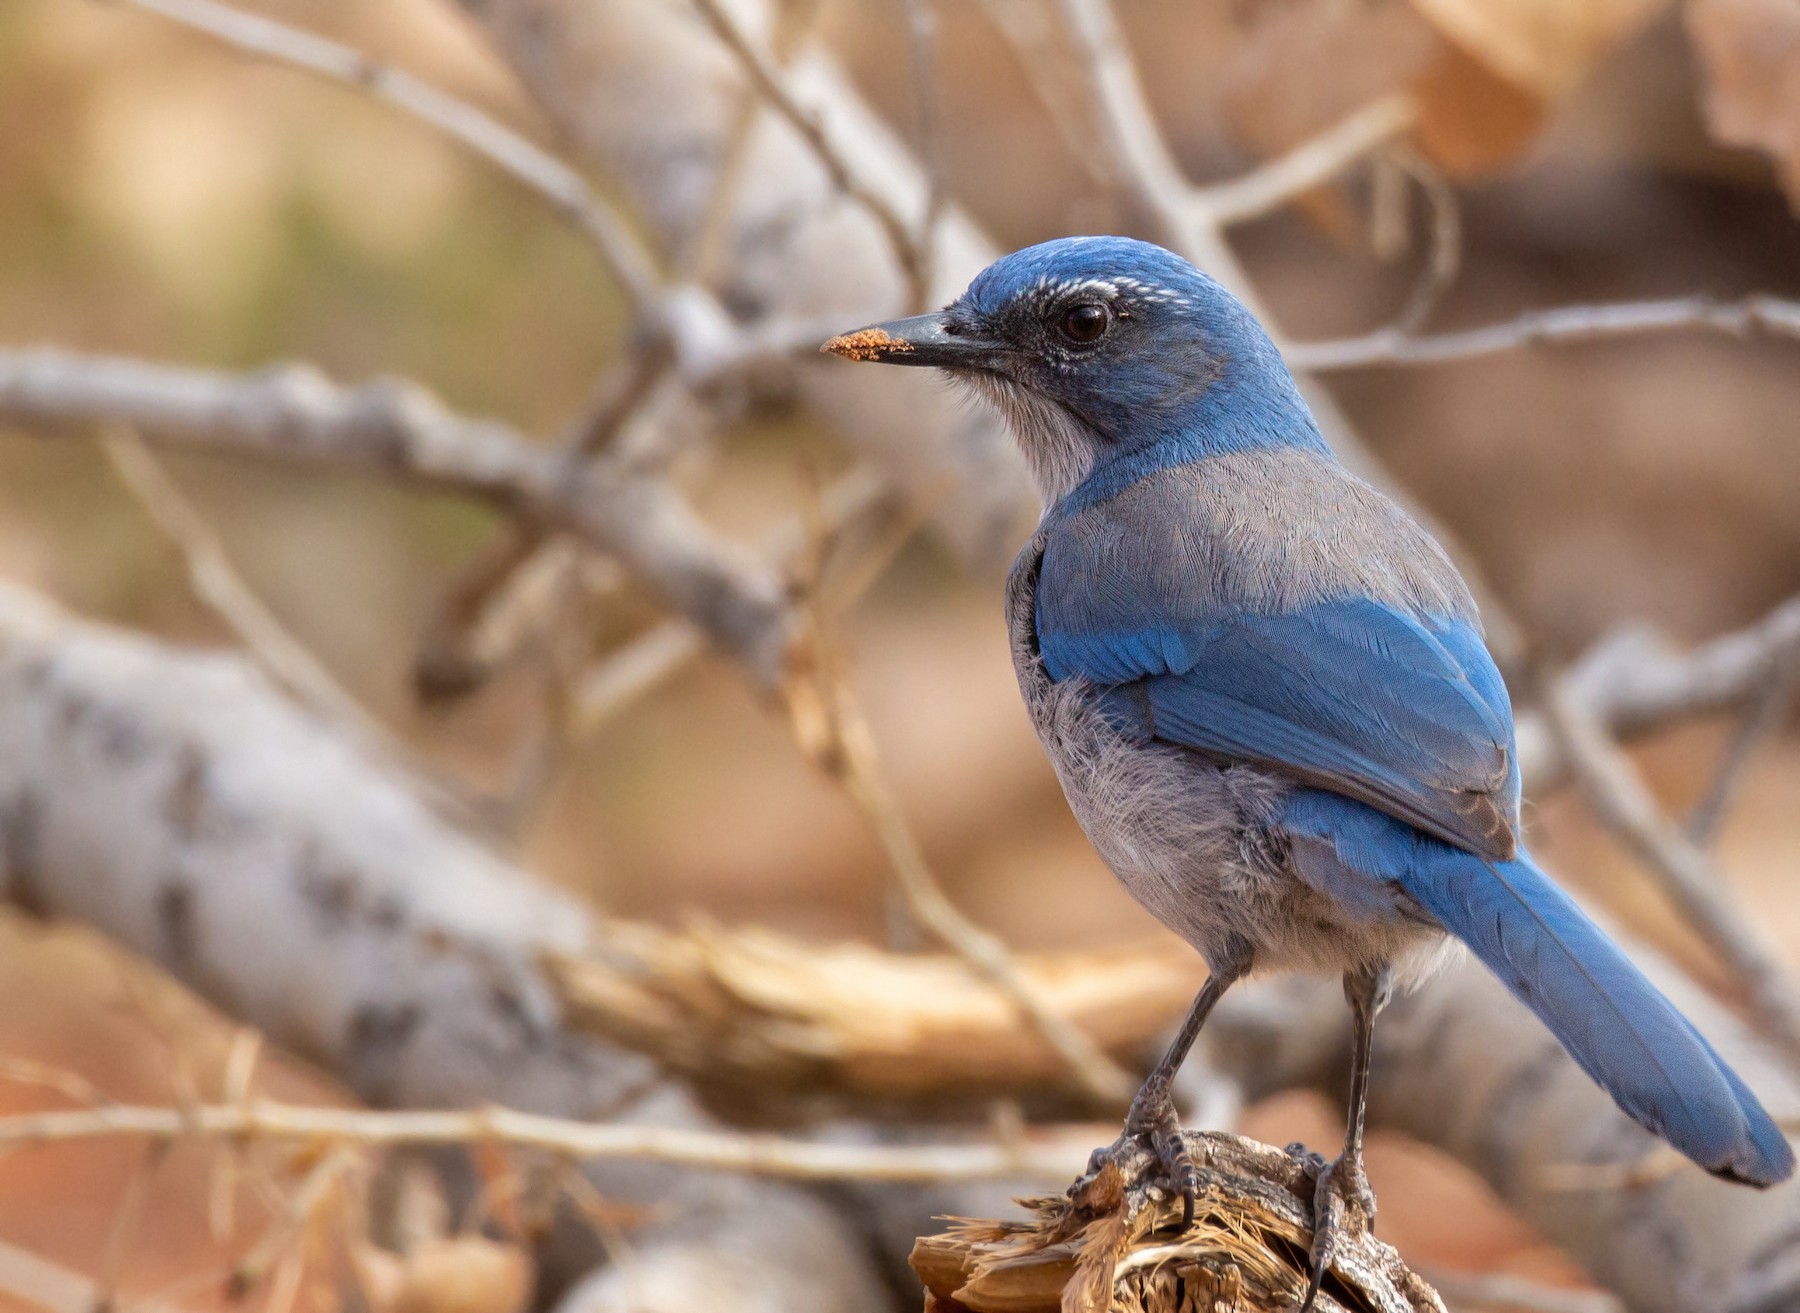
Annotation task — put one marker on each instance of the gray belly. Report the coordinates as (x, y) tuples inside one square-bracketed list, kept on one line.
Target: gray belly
[(1195, 843)]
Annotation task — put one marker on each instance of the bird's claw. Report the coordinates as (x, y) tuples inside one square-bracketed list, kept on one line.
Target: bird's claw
[(1341, 1194), (1153, 1125)]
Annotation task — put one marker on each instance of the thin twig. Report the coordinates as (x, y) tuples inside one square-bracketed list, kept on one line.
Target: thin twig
[(238, 1083), (127, 1220), (72, 1085), (922, 54), (1046, 57), (217, 583), (646, 661), (1443, 257), (1751, 316), (770, 83), (479, 131), (987, 954), (50, 1286), (277, 1243), (1313, 162), (1754, 728), (1624, 804), (833, 732), (752, 1154), (474, 629)]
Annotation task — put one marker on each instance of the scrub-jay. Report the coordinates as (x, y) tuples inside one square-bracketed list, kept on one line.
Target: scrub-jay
[(1266, 694)]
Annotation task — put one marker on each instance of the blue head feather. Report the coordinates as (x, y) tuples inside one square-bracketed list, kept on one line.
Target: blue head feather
[(1183, 371)]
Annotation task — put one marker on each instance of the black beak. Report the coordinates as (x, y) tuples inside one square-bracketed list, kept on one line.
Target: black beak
[(921, 340)]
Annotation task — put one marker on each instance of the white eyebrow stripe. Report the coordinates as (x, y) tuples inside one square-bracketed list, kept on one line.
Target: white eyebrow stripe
[(1110, 288)]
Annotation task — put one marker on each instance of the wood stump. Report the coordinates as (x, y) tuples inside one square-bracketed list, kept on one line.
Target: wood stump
[(1114, 1244)]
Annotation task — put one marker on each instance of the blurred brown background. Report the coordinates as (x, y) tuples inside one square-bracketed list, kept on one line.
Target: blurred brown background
[(164, 197)]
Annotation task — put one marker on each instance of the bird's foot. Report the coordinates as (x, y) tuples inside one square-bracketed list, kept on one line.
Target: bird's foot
[(1341, 1199), (1151, 1147)]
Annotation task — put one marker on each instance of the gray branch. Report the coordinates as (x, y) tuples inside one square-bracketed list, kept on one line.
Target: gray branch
[(175, 801), (398, 430)]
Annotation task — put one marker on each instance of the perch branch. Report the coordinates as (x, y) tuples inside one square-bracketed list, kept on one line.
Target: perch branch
[(1112, 1244)]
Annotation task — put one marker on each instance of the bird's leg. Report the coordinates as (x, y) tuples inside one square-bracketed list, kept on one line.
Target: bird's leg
[(1343, 1185), (1153, 1119)]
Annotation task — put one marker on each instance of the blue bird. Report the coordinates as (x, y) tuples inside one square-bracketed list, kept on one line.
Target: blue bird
[(1267, 696)]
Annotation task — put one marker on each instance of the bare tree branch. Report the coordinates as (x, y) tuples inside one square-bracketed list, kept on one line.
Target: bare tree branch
[(1750, 317), (510, 151), (1312, 163), (397, 430), (173, 800), (1758, 724), (658, 103), (1624, 803), (769, 83), (1634, 683)]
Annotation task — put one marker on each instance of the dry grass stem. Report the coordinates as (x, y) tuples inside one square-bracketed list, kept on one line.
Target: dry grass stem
[(726, 1151)]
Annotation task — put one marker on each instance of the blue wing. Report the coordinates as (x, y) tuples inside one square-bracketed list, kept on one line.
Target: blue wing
[(1354, 696)]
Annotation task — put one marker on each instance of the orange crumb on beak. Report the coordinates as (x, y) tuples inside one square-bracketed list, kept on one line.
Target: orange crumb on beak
[(866, 344)]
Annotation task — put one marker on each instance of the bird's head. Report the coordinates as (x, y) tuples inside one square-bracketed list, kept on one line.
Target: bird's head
[(1104, 352)]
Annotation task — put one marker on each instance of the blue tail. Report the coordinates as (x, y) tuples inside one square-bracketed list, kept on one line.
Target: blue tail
[(1610, 1018)]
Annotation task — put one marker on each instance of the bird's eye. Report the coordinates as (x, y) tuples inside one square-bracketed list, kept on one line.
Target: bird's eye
[(1085, 322)]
